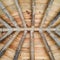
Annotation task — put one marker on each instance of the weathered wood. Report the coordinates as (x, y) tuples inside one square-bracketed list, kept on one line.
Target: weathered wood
[(8, 14), (2, 51), (47, 46), (8, 33), (47, 11), (18, 50), (32, 57), (20, 12), (38, 46)]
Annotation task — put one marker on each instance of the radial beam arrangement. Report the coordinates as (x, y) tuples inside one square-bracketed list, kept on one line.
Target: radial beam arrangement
[(8, 15), (2, 51), (13, 32), (54, 38), (57, 31), (8, 27)]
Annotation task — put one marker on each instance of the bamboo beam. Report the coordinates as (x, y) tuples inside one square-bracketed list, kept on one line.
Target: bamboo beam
[(54, 20), (8, 15), (8, 33), (57, 30), (20, 12), (47, 46), (54, 37), (32, 57), (2, 51), (18, 50), (46, 13)]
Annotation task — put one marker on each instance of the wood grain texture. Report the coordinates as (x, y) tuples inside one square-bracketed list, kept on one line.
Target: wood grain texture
[(39, 47)]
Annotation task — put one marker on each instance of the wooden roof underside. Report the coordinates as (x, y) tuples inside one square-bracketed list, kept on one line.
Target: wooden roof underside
[(30, 30)]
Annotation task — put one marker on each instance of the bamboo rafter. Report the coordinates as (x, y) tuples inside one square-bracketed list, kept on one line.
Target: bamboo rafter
[(25, 29)]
